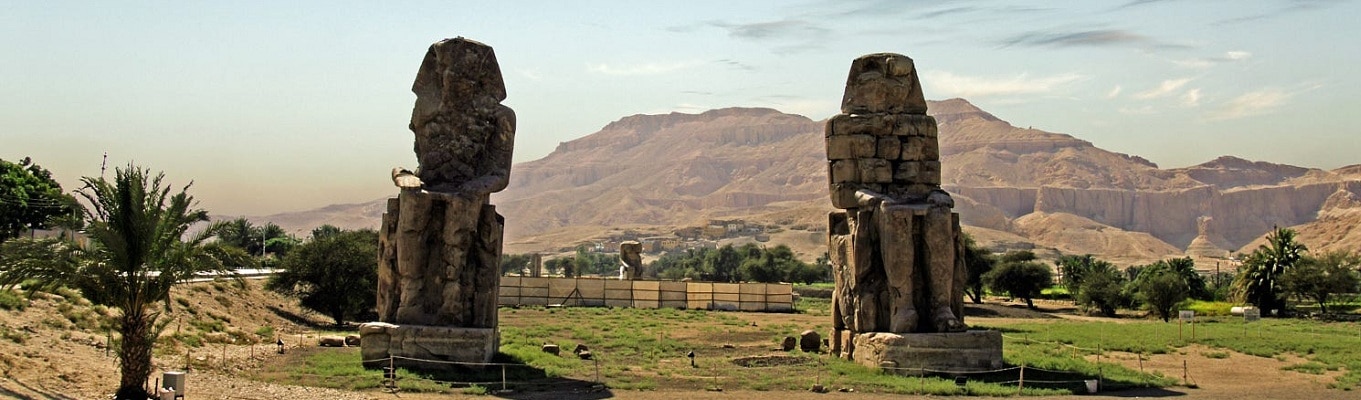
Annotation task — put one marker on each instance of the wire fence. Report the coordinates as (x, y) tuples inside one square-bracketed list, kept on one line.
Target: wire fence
[(396, 373)]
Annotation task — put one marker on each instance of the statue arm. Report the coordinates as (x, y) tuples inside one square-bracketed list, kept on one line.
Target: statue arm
[(869, 198)]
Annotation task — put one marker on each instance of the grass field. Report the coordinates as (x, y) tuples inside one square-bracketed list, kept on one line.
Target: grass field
[(1330, 346), (645, 349)]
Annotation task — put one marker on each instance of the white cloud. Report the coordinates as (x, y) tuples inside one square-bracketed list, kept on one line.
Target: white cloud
[(974, 87), (640, 69), (532, 75), (1250, 104), (1145, 110), (1194, 63), (1207, 62), (1166, 88), (1114, 92), (1191, 98)]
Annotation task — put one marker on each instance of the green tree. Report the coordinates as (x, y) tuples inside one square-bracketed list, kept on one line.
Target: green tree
[(259, 240), (1321, 278), (1183, 268), (30, 198), (137, 252), (978, 260), (1075, 269), (336, 275), (1257, 282), (722, 265), (680, 265), (326, 230), (515, 263), (1022, 279), (240, 233), (1102, 288), (1161, 290), (765, 269)]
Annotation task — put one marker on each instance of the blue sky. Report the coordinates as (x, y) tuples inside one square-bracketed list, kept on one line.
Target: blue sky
[(281, 106)]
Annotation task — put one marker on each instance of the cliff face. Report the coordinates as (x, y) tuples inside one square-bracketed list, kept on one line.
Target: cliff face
[(673, 169), (1010, 183)]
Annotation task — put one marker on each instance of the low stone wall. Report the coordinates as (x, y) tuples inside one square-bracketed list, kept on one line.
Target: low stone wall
[(770, 297)]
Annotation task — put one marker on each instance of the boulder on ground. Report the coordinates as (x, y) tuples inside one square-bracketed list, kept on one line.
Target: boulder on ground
[(810, 341), (332, 341)]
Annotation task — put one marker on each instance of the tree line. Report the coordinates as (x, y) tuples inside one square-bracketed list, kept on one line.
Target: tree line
[(728, 263), (1268, 276)]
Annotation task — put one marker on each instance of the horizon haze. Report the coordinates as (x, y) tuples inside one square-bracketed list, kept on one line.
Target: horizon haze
[(276, 107)]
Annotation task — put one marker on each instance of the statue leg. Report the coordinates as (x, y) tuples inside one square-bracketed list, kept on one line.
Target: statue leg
[(412, 255), (458, 274), (895, 246), (865, 301), (939, 236)]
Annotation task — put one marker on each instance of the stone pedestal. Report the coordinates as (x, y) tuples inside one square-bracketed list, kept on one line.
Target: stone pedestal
[(410, 344), (953, 352)]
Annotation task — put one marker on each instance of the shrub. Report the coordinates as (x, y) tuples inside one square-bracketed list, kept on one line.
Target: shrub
[(9, 300)]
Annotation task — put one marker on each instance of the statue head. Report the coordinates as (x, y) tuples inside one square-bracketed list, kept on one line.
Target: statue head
[(883, 83)]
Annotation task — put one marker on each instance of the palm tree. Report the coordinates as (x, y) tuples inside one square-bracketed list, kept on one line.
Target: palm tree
[(138, 249), (1257, 282)]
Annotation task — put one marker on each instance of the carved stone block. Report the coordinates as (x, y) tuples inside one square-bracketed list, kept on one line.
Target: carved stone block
[(423, 347), (874, 170), (843, 171), (906, 354), (888, 148)]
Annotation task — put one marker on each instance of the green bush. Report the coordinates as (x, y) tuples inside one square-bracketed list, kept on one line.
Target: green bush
[(9, 300), (1209, 308)]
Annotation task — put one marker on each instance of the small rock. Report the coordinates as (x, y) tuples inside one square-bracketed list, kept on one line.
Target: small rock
[(788, 343), (332, 341), (810, 341), (551, 349)]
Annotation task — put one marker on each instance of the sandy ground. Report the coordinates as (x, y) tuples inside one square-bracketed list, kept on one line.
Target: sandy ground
[(54, 363)]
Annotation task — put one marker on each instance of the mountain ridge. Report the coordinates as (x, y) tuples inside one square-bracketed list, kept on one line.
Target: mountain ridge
[(1052, 189)]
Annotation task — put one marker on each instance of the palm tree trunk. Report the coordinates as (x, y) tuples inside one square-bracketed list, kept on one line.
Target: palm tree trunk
[(134, 356)]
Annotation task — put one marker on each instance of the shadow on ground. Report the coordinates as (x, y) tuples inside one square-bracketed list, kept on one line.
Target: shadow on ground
[(301, 320), (40, 393), (1143, 392)]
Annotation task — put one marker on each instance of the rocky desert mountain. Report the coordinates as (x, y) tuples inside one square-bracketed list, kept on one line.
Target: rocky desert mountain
[(1014, 188)]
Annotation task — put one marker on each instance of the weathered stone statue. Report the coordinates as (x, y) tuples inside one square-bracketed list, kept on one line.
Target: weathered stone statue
[(440, 244), (631, 260), (897, 249)]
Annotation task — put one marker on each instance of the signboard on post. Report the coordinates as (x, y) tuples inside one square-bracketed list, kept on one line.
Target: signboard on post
[(1183, 317), (1186, 315), (1251, 314)]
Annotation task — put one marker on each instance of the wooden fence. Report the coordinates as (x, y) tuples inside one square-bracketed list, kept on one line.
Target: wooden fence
[(516, 290)]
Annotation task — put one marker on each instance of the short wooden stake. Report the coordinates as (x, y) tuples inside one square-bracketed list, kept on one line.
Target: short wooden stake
[(1184, 379)]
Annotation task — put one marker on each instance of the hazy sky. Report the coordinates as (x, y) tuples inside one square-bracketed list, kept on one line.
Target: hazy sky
[(281, 106)]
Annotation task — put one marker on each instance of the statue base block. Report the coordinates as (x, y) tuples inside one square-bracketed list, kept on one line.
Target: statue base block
[(908, 354), (426, 347)]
